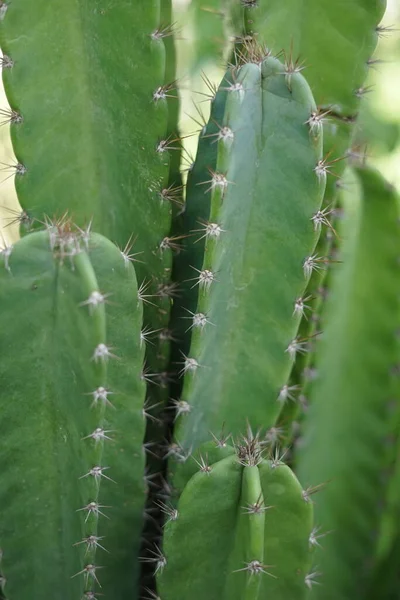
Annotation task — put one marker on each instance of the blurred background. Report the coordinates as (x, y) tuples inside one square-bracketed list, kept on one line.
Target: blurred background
[(379, 118)]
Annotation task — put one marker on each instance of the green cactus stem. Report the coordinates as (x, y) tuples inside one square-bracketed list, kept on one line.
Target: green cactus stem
[(349, 416), (241, 531), (267, 187), (60, 453)]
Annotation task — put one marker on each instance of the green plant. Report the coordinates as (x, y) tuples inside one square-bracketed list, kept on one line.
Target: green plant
[(156, 437)]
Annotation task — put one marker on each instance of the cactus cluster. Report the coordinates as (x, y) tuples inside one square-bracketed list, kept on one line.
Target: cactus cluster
[(174, 387)]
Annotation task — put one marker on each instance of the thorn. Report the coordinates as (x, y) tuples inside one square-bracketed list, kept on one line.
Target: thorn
[(211, 86), (234, 86), (217, 181), (224, 134), (258, 508), (126, 252), (176, 451), (199, 320), (6, 252), (249, 3), (147, 408), (145, 335), (362, 91), (20, 217), (321, 218), (172, 194), (274, 435), (157, 557), (16, 169), (189, 365), (249, 449), (99, 434), (251, 51), (169, 243), (166, 145), (316, 121), (152, 595), (209, 230), (147, 446), (89, 571), (97, 473), (6, 62), (200, 120), (314, 263), (300, 307), (9, 115), (167, 335), (204, 280), (164, 31), (277, 458), (168, 510), (221, 441), (308, 492), (103, 353), (94, 508), (95, 299), (286, 393), (147, 376), (384, 31), (256, 568), (92, 542), (309, 579), (102, 394), (142, 296), (91, 595), (323, 167), (163, 92), (181, 407), (291, 66), (297, 346), (371, 62), (168, 290), (315, 536), (203, 464), (85, 234)]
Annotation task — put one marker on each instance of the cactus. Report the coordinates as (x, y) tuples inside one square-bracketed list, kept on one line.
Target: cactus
[(141, 314), (350, 412), (241, 530), (73, 424), (265, 114)]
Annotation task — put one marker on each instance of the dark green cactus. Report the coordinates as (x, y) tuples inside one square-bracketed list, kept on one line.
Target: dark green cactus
[(142, 454)]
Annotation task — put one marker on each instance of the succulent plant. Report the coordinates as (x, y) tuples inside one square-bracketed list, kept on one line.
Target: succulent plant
[(168, 410)]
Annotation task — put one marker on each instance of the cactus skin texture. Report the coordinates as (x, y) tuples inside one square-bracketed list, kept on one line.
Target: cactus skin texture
[(268, 190), (241, 531), (349, 417), (57, 416)]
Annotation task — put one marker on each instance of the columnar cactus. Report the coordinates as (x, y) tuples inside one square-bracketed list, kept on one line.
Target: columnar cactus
[(157, 339), (72, 408)]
